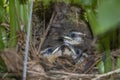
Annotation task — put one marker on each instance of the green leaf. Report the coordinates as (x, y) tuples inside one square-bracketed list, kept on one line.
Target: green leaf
[(23, 1), (118, 62), (67, 1), (76, 2), (13, 23), (2, 11), (87, 2), (108, 61), (108, 15), (92, 20), (101, 67), (3, 67), (1, 3), (46, 2), (2, 14), (1, 39)]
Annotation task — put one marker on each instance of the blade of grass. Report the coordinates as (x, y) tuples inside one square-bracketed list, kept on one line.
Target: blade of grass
[(1, 40), (3, 67), (22, 14), (92, 20), (118, 58), (13, 23), (101, 67), (107, 59), (25, 15), (2, 18)]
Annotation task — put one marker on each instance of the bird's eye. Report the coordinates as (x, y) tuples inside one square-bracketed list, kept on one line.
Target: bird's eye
[(73, 35), (77, 52), (50, 50)]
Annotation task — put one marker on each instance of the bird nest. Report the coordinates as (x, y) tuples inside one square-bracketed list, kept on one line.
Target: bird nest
[(63, 20), (62, 68)]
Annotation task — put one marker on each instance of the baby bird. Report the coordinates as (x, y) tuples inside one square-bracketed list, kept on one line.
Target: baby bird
[(76, 53), (52, 48), (51, 53), (74, 38)]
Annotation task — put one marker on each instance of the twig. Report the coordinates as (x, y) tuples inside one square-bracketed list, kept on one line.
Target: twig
[(106, 74), (74, 74), (41, 74), (8, 74), (37, 73), (27, 42), (97, 61), (46, 32)]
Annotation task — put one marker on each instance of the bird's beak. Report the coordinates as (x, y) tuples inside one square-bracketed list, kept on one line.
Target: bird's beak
[(79, 33), (67, 38), (42, 52), (56, 50), (71, 48)]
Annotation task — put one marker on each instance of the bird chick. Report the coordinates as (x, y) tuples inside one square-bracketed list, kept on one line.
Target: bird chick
[(77, 54), (51, 53), (80, 55), (74, 38)]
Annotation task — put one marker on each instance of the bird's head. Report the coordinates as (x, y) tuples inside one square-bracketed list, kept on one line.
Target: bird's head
[(51, 51), (74, 38), (76, 53)]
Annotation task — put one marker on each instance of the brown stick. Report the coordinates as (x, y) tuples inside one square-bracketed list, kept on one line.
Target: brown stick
[(46, 32), (73, 74), (107, 74)]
